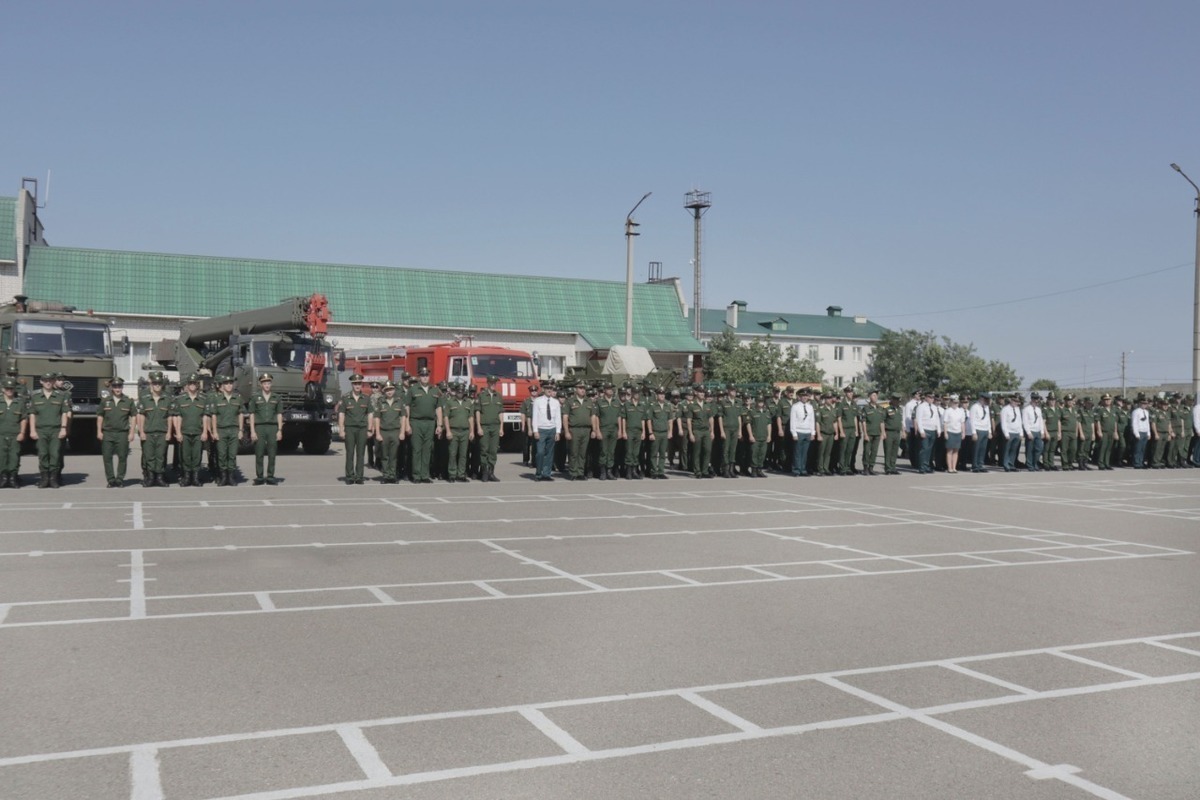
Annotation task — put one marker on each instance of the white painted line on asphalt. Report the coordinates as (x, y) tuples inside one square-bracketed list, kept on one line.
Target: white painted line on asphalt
[(1174, 647), (381, 595), (1094, 663), (4, 612), (768, 573), (720, 712), (665, 511), (679, 577), (144, 777), (137, 585), (543, 565), (492, 590), (1012, 687), (413, 511), (1054, 771), (139, 521), (364, 752), (552, 731), (264, 601)]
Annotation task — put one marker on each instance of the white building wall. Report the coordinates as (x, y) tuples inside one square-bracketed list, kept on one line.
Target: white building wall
[(838, 372)]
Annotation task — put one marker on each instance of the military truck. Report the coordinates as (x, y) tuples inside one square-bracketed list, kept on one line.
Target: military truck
[(286, 340), (38, 336), (624, 364)]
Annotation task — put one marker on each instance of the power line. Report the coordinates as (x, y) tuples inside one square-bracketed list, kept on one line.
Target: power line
[(1036, 296)]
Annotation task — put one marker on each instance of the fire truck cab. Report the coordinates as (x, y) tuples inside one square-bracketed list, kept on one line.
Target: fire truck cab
[(455, 362)]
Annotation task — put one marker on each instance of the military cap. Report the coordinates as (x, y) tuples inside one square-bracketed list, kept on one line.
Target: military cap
[(701, 390), (986, 394), (47, 376), (1106, 396), (1051, 396), (423, 372), (388, 386), (9, 383), (266, 376), (533, 387), (58, 376), (1068, 396), (893, 397), (1141, 397), (12, 370), (1035, 395), (849, 389), (118, 381), (193, 378), (492, 379), (675, 393), (356, 378)]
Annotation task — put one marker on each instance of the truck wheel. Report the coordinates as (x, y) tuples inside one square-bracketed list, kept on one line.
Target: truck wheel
[(288, 445), (316, 440)]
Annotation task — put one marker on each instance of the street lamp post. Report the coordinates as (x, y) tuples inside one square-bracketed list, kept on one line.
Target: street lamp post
[(1196, 302), (629, 234)]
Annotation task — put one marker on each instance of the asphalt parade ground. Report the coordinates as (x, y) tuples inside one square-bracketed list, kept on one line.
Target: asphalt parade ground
[(947, 636)]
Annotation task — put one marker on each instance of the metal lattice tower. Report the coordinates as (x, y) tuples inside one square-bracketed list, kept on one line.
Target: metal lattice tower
[(697, 202)]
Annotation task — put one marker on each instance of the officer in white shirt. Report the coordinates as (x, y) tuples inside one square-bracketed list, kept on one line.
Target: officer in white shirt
[(802, 421), (1034, 423), (1139, 423), (980, 421), (546, 416), (927, 423), (1013, 430), (911, 440)]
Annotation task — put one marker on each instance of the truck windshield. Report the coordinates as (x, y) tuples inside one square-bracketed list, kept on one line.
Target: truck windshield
[(61, 338), (502, 366), (289, 355)]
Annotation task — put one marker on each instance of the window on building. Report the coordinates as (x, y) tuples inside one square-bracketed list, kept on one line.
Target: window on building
[(838, 380), (856, 352), (839, 353), (814, 352)]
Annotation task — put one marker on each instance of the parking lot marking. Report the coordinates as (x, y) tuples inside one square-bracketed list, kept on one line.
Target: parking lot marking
[(137, 585), (139, 521), (413, 511), (382, 596), (147, 783), (264, 601), (543, 565), (1093, 663)]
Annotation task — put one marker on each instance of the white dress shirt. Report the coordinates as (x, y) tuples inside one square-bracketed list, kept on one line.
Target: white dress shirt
[(909, 409), (1033, 419), (953, 419), (546, 413), (1010, 421), (1140, 421), (926, 418), (981, 418), (802, 418)]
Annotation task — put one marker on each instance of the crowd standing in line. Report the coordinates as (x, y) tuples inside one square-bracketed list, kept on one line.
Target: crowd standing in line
[(452, 432)]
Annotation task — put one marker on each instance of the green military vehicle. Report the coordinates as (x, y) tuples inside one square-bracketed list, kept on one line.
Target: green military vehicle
[(286, 340), (37, 337)]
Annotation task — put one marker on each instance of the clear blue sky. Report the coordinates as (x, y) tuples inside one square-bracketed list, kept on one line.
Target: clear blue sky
[(894, 158)]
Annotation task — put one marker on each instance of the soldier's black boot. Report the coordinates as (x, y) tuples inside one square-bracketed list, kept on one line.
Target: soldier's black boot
[(160, 479), (44, 479), (53, 479), (492, 475)]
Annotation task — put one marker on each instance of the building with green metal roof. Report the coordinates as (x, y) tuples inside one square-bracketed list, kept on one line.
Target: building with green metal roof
[(838, 344), (565, 321)]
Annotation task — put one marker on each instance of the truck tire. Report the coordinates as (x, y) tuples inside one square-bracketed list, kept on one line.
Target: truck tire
[(316, 440)]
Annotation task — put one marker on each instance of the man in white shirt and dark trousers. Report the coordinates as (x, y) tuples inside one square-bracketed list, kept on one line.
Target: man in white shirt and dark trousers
[(802, 422), (980, 422), (1139, 424), (1013, 430), (927, 423), (1034, 423), (547, 422)]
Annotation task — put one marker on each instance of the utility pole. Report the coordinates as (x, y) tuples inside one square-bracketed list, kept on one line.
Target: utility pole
[(629, 234), (1196, 306), (697, 202), (1124, 353)]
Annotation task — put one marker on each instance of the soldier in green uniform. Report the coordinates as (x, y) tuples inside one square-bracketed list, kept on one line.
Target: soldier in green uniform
[(1121, 446), (728, 427), (355, 422), (700, 426), (1190, 456), (424, 423), (530, 446), (265, 412), (49, 415), (459, 416), (893, 429), (388, 420), (1107, 432), (1069, 431), (489, 412), (114, 431), (873, 430), (759, 423), (1052, 414), (631, 429), (683, 447), (608, 416), (189, 416), (1178, 446), (154, 423), (12, 433), (1087, 433), (847, 409), (827, 433), (660, 424), (64, 387), (580, 426), (226, 424), (1160, 433)]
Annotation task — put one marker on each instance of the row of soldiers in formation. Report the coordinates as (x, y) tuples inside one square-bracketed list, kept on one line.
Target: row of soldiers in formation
[(196, 421)]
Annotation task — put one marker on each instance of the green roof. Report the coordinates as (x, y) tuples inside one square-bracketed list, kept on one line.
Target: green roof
[(781, 324), (8, 229), (116, 282)]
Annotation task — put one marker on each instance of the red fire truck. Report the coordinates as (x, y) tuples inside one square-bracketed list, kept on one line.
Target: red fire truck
[(459, 361)]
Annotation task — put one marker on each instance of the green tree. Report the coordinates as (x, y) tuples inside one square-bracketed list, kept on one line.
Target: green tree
[(907, 360), (758, 361), (1043, 385)]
